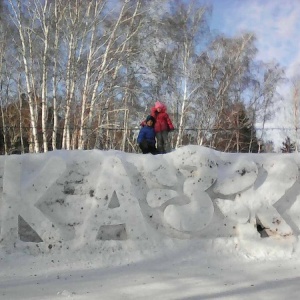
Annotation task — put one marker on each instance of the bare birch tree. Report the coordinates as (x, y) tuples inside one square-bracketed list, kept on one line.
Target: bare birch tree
[(114, 44), (187, 24), (223, 67), (295, 106), (70, 34), (96, 11), (42, 13), (59, 8), (262, 96), (3, 43), (25, 34)]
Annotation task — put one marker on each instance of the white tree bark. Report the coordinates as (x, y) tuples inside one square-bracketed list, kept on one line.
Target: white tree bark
[(187, 51), (58, 15), (25, 43), (44, 17), (82, 134)]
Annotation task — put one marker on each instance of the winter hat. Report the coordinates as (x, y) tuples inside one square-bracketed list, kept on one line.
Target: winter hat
[(158, 104), (150, 118)]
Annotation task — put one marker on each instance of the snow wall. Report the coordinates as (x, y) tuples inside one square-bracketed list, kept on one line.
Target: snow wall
[(115, 201)]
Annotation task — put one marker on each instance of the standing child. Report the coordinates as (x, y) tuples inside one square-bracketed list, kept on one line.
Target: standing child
[(163, 125), (146, 137)]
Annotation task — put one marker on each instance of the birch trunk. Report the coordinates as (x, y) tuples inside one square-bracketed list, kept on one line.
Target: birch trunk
[(21, 124), (2, 101), (296, 111), (45, 27), (76, 33), (70, 92), (28, 76), (57, 17), (82, 130), (3, 119)]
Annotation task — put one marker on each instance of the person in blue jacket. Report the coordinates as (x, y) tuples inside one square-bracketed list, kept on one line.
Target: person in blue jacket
[(146, 138)]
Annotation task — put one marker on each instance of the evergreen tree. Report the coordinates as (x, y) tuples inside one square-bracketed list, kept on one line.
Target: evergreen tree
[(288, 146), (236, 132), (247, 131)]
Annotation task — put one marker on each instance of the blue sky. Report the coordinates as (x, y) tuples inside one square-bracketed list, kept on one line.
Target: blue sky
[(276, 24)]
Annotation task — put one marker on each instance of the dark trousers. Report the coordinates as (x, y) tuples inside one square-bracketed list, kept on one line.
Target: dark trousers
[(147, 147), (163, 145)]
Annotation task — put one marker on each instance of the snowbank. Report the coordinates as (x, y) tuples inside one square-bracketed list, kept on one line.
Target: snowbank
[(114, 202)]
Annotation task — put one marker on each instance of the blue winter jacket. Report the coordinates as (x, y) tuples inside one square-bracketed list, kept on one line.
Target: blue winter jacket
[(146, 133)]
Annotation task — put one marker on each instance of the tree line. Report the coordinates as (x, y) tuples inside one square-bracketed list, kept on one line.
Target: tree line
[(83, 74)]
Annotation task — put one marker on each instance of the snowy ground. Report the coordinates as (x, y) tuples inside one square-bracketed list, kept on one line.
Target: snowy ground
[(191, 224)]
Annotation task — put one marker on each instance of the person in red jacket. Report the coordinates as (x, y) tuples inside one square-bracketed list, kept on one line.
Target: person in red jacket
[(162, 126)]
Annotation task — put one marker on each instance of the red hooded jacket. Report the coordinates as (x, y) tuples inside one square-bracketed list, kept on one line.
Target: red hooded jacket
[(162, 119)]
